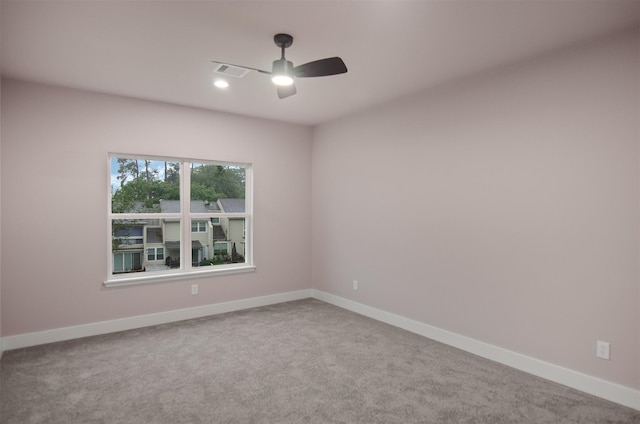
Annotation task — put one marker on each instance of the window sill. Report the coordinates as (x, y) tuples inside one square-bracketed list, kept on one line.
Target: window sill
[(178, 275)]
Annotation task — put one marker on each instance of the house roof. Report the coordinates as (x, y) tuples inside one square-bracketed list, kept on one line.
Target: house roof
[(231, 205), (213, 207), (197, 206), (218, 233)]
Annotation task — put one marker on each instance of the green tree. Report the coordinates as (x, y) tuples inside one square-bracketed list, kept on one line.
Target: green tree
[(202, 192), (142, 195), (149, 173), (172, 172), (210, 182), (127, 168), (142, 188)]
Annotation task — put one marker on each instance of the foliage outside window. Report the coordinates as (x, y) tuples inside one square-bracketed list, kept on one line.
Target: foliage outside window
[(172, 217)]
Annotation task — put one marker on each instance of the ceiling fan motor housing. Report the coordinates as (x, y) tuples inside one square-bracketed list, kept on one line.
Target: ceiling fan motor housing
[(282, 67), (282, 73), (283, 40)]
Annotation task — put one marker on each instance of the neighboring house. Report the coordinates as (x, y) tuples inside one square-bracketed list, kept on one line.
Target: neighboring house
[(128, 247), (154, 244), (201, 232), (234, 228), (128, 243)]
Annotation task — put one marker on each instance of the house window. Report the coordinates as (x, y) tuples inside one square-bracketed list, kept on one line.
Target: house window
[(127, 232), (155, 253), (127, 262), (198, 227), (154, 201), (221, 248)]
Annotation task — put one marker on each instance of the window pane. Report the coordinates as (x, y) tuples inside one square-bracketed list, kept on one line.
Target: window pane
[(133, 253), (209, 183), (198, 226), (220, 248), (127, 233), (237, 239), (118, 262), (228, 243), (172, 244), (138, 185), (128, 230), (136, 259)]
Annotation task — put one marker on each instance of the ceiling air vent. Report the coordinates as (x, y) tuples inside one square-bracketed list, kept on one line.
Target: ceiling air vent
[(231, 71)]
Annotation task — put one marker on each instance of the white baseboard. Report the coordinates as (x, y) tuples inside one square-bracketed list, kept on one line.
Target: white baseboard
[(104, 327), (604, 389), (595, 386)]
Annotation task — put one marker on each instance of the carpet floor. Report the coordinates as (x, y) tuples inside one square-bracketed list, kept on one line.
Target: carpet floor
[(296, 362)]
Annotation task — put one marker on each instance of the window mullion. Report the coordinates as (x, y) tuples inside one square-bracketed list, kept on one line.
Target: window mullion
[(249, 214), (185, 208)]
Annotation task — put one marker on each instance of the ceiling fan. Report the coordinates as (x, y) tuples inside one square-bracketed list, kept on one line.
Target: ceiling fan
[(283, 72)]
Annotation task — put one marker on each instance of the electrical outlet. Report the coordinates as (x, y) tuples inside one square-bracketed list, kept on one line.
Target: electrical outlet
[(194, 289), (355, 284), (602, 350)]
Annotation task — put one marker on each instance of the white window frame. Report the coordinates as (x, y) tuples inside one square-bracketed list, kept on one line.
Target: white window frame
[(186, 270), (155, 253), (199, 224)]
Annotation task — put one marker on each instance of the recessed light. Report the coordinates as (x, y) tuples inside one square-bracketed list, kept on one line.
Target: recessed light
[(220, 83)]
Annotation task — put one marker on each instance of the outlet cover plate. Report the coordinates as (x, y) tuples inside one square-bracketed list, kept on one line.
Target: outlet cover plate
[(603, 350)]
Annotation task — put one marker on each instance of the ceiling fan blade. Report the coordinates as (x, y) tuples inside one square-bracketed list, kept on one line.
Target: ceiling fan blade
[(242, 66), (286, 90), (321, 68)]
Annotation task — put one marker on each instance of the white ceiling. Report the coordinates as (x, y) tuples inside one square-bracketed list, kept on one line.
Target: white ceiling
[(162, 50)]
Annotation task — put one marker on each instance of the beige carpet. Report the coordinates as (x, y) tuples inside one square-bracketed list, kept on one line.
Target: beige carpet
[(296, 362)]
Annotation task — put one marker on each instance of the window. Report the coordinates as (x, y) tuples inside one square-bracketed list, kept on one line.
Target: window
[(172, 218), (127, 232), (127, 262), (198, 227), (155, 253), (221, 248)]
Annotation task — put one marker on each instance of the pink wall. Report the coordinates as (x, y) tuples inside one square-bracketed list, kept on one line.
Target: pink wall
[(504, 207), (0, 204), (54, 180), (0, 217)]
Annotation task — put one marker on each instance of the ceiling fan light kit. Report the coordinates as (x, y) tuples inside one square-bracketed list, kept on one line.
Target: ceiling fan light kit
[(283, 72)]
